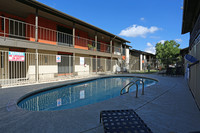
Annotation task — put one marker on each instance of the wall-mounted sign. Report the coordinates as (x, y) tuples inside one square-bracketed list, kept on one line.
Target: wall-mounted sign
[(16, 56), (58, 58), (82, 61)]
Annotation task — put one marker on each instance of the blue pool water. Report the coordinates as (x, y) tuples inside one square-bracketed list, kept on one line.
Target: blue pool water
[(76, 95)]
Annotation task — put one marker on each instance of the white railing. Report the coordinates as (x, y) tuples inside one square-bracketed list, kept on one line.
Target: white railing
[(18, 29), (19, 68)]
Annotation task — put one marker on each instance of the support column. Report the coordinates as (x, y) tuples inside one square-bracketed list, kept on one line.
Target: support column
[(96, 64), (96, 39), (140, 62), (74, 31), (144, 62), (111, 55), (36, 51), (36, 25), (74, 63)]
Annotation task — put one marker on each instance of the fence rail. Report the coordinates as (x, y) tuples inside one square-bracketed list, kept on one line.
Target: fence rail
[(19, 68)]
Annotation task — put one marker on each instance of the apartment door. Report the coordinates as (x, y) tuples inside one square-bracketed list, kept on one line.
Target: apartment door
[(64, 36)]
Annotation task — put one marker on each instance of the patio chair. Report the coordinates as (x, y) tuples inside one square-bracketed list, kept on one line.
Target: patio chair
[(122, 121)]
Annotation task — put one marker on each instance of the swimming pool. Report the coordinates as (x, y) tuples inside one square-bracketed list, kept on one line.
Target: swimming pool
[(80, 94)]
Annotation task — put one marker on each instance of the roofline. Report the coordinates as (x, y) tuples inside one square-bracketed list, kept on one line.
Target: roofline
[(139, 51), (55, 12)]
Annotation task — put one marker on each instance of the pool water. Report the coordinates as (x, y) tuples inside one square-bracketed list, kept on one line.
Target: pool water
[(76, 95)]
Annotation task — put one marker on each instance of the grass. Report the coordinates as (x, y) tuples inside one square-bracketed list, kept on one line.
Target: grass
[(145, 72)]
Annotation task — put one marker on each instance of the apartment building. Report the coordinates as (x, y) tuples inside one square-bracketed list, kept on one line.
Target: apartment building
[(191, 24), (38, 42), (139, 60)]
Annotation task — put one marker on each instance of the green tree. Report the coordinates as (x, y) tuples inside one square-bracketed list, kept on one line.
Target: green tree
[(167, 52)]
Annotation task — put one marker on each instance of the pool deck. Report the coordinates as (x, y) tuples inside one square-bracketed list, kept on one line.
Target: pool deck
[(167, 107)]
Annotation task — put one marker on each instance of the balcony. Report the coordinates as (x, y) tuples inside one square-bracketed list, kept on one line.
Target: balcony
[(21, 30)]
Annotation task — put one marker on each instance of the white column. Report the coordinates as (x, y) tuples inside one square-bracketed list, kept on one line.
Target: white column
[(140, 62), (96, 41), (74, 31)]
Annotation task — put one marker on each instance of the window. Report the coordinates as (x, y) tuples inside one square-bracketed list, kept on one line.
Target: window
[(2, 60)]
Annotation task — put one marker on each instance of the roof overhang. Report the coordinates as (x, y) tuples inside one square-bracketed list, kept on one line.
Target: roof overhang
[(142, 52), (191, 10), (55, 12)]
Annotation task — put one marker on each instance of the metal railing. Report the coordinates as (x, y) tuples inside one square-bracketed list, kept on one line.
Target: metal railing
[(142, 85), (19, 68), (21, 30), (129, 85)]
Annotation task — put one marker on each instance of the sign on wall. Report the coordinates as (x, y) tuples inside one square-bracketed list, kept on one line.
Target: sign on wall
[(58, 58), (16, 56), (82, 62)]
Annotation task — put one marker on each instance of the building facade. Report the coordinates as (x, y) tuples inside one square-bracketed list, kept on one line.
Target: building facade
[(38, 42), (139, 60), (191, 24)]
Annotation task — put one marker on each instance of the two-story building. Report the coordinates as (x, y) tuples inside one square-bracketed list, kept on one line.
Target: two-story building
[(38, 42), (139, 60)]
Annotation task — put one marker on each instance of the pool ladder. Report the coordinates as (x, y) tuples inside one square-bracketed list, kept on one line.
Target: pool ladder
[(131, 84)]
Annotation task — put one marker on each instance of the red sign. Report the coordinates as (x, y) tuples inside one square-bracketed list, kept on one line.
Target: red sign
[(16, 56)]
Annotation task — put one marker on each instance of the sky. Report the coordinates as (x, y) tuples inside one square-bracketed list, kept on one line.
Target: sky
[(142, 22)]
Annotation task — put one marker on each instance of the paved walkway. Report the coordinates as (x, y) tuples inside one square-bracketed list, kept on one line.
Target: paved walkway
[(167, 107)]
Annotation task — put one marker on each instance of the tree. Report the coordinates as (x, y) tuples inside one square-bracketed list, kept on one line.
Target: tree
[(167, 52)]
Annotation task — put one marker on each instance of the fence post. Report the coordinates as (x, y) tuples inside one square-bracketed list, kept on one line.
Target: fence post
[(36, 66), (91, 65), (105, 64), (96, 64), (74, 64)]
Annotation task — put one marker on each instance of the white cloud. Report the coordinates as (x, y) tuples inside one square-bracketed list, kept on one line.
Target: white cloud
[(162, 41), (142, 19), (150, 48), (149, 44), (135, 31), (178, 40)]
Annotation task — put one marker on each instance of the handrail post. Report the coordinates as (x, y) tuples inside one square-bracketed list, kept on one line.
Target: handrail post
[(142, 87), (136, 95), (4, 19)]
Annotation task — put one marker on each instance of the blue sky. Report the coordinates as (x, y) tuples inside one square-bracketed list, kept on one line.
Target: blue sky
[(142, 22)]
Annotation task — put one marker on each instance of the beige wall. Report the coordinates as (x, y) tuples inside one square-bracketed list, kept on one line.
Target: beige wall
[(195, 74)]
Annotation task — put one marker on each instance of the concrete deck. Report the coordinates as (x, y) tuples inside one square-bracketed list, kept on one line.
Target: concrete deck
[(167, 107)]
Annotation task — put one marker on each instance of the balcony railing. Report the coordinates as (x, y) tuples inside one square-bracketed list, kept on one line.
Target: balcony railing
[(22, 30)]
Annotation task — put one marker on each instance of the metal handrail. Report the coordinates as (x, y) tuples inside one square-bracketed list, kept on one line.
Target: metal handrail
[(142, 85), (130, 84)]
